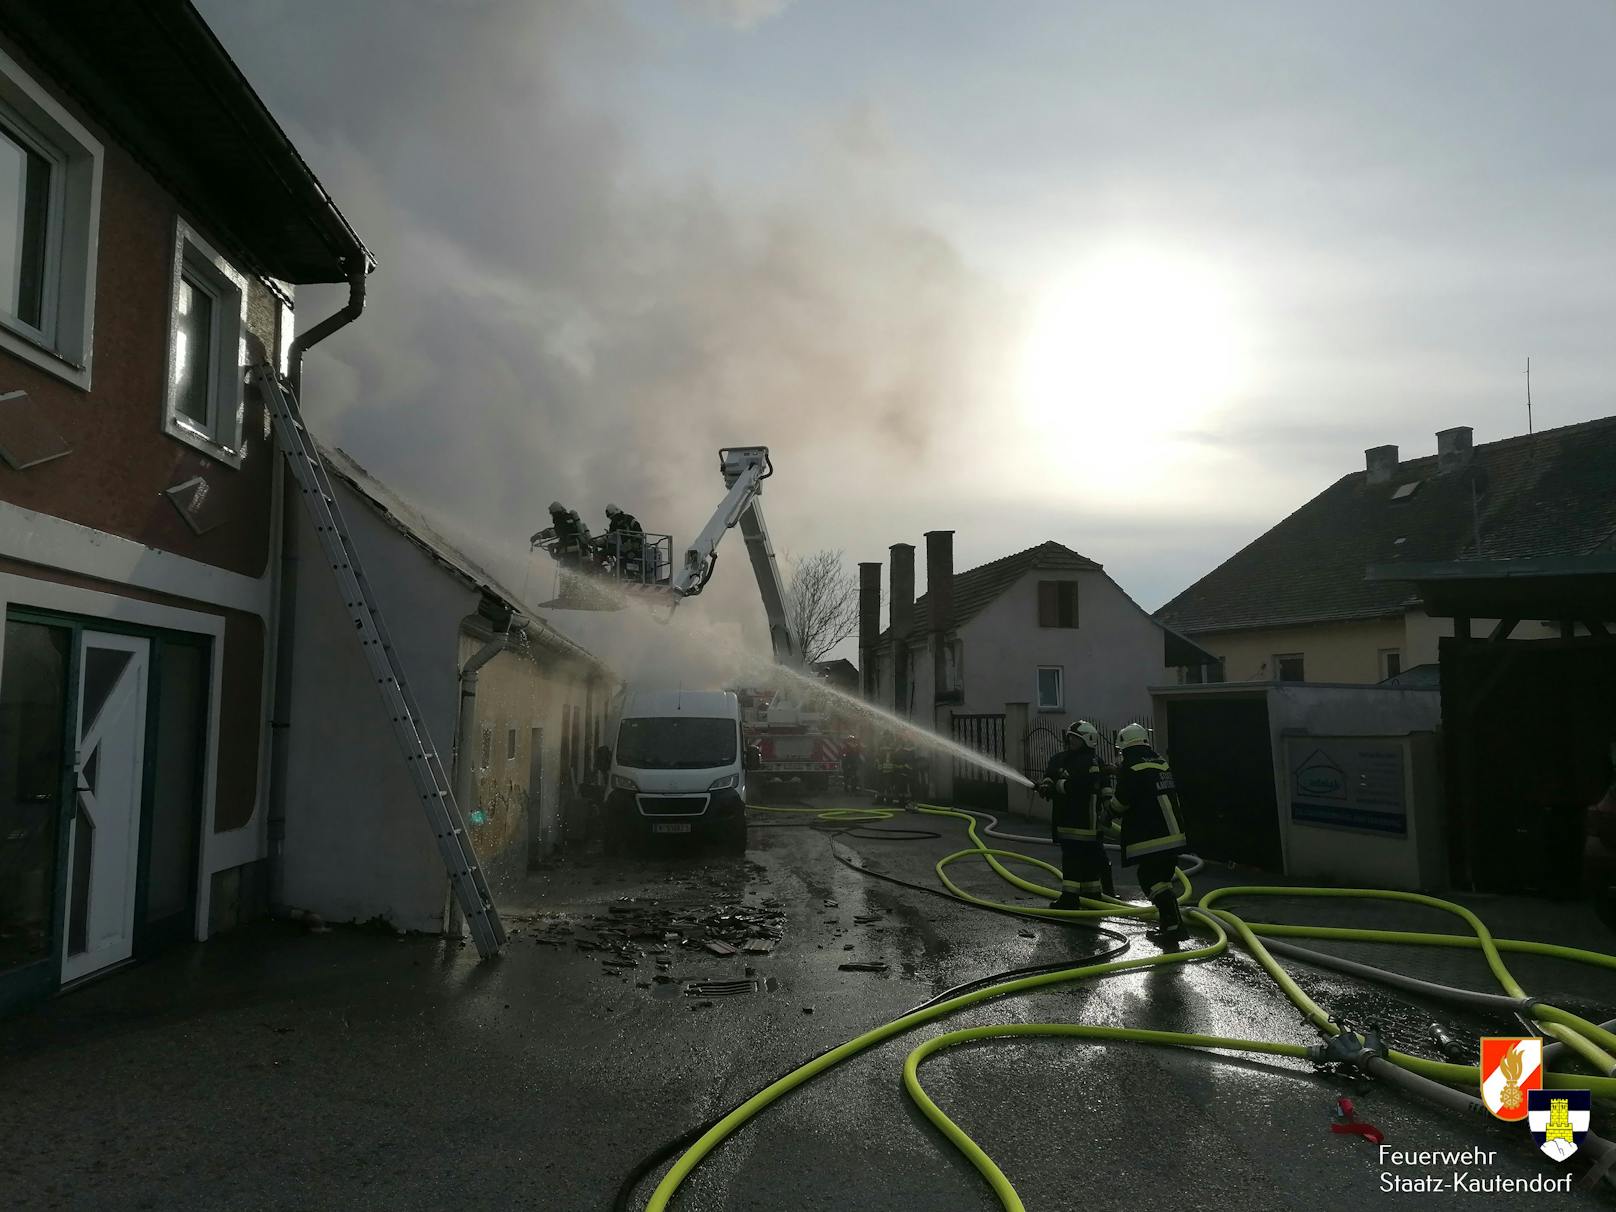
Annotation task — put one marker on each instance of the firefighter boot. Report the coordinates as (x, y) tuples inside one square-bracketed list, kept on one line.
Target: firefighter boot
[(1169, 922), (1067, 900)]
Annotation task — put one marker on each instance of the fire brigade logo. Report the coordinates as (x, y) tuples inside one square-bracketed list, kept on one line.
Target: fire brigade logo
[(1559, 1119), (1511, 1068)]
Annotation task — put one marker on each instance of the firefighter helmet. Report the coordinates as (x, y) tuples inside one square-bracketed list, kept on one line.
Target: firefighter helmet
[(1131, 735), (612, 510), (1084, 733)]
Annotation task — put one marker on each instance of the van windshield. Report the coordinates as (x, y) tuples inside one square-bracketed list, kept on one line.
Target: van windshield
[(678, 742)]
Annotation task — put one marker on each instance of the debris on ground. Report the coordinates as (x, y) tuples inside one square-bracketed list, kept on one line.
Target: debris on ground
[(705, 912), (864, 966)]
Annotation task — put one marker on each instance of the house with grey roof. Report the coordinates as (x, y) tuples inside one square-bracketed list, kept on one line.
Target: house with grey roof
[(1038, 637), (1295, 604)]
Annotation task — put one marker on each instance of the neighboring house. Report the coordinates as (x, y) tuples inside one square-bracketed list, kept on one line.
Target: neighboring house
[(152, 217), (1044, 628), (1295, 605), (356, 844)]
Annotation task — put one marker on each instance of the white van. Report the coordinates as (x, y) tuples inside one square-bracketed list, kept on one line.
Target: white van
[(678, 767)]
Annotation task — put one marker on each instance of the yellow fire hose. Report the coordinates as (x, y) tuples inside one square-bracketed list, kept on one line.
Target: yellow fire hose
[(1590, 1041)]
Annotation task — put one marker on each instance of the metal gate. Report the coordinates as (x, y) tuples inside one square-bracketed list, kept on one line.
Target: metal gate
[(975, 786), (1041, 745)]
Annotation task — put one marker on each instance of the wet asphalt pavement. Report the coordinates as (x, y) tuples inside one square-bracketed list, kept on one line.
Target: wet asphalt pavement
[(279, 1069)]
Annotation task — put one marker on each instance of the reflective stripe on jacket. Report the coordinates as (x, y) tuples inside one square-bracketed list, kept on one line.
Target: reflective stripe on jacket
[(1147, 798), (1077, 779)]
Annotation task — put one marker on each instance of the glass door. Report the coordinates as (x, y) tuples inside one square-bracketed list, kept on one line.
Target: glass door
[(34, 678), (104, 833)]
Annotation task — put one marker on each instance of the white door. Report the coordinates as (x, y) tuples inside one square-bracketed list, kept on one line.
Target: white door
[(104, 839)]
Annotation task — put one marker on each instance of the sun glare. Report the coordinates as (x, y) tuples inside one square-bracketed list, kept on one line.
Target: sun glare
[(1125, 353)]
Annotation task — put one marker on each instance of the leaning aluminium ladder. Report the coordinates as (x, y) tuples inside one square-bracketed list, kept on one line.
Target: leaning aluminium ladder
[(426, 771)]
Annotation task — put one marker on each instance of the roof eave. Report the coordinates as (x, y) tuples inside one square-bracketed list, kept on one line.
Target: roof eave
[(60, 35)]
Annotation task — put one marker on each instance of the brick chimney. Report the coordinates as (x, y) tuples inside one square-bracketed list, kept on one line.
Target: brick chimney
[(1453, 449), (940, 601), (902, 617), (1381, 464), (869, 623)]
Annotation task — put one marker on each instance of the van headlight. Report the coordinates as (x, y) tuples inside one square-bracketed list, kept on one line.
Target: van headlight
[(624, 784), (729, 780)]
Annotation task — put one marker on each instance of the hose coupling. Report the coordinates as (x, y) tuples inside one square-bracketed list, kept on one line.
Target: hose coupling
[(1347, 1047)]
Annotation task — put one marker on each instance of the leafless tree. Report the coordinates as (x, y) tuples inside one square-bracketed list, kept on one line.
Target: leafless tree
[(823, 603)]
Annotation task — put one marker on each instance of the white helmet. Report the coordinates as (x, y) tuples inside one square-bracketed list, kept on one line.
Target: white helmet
[(1084, 732), (1131, 735), (612, 510)]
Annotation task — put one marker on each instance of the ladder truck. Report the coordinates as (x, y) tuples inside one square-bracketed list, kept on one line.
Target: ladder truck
[(606, 572)]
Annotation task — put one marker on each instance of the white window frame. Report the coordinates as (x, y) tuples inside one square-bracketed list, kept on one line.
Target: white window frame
[(221, 437), (1060, 687), (512, 747), (62, 343)]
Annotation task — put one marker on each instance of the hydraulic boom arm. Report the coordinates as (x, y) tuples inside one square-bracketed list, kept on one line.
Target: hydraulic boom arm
[(745, 468)]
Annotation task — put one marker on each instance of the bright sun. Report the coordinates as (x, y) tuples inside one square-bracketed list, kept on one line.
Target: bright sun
[(1130, 349)]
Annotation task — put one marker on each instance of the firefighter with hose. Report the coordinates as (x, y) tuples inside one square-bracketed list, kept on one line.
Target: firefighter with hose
[(1075, 782)]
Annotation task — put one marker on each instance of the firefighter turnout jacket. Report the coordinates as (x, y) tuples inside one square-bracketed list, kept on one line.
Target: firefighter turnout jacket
[(1077, 779), (1147, 801)]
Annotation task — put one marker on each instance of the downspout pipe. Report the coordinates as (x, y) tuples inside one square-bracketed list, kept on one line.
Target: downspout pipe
[(341, 318), (280, 717), (465, 762)]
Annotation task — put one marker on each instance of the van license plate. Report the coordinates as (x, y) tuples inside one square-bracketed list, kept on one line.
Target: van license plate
[(674, 827)]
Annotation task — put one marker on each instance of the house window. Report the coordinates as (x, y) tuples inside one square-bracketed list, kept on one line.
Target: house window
[(510, 744), (206, 349), (1391, 662), (1051, 692), (1197, 675), (953, 667), (1057, 603), (487, 757), (50, 199), (25, 213), (1288, 667)]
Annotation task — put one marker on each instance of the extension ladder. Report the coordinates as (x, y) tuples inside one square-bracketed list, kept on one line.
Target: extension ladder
[(426, 771)]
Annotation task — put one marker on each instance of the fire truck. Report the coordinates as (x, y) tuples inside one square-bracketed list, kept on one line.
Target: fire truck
[(794, 743)]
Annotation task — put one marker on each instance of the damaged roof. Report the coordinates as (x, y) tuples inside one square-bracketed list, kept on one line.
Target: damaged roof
[(155, 76), (1545, 495), (413, 526)]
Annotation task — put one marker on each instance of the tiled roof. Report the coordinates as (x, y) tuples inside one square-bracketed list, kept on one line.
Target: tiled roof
[(1548, 494), (976, 588), (410, 523)]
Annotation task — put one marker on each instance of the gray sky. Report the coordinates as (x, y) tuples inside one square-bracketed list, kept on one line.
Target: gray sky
[(1138, 277)]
